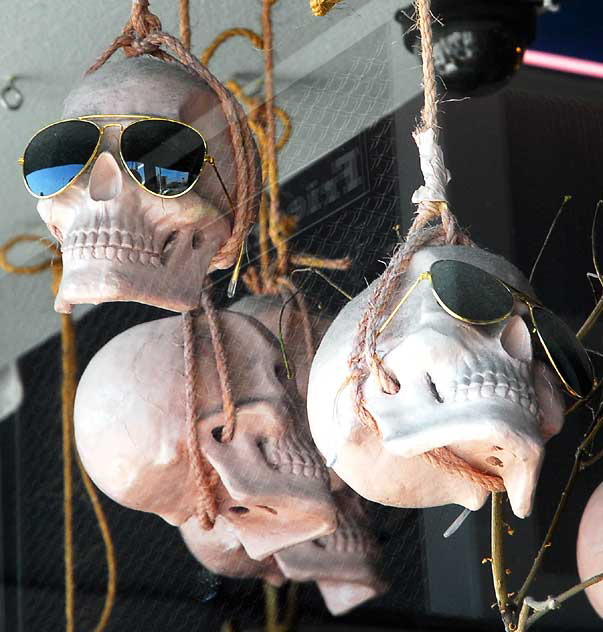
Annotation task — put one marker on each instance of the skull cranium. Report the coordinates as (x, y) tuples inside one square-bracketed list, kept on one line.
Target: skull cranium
[(120, 242), (475, 389), (130, 433)]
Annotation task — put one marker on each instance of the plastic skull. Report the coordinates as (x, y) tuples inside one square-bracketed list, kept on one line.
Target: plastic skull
[(120, 242), (476, 389), (345, 564), (131, 437), (220, 551), (589, 548)]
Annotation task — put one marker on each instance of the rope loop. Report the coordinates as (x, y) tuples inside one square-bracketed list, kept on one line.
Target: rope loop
[(434, 225)]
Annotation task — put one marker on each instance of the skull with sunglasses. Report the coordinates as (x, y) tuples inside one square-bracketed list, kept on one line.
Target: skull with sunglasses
[(131, 435), (139, 185), (479, 365)]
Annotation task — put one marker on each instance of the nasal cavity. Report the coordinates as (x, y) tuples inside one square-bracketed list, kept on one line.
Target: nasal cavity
[(105, 179), (516, 339)]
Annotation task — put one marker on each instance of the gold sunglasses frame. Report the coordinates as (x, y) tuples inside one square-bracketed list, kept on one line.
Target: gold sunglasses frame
[(101, 128), (515, 294)]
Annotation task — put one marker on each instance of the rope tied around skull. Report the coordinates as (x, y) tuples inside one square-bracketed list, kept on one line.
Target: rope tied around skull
[(433, 225), (275, 228), (142, 35)]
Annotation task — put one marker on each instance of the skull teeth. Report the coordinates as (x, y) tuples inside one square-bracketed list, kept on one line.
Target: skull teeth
[(510, 385), (292, 455), (112, 245), (348, 538)]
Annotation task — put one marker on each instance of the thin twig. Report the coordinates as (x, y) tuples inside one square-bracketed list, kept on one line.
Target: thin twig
[(566, 199), (498, 564), (324, 277), (593, 459), (582, 402), (593, 242), (591, 320), (555, 602), (523, 617), (560, 507), (598, 310)]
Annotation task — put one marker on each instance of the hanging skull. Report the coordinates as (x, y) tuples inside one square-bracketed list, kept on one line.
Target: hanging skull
[(130, 433), (121, 242), (589, 550), (345, 564), (220, 551), (477, 390)]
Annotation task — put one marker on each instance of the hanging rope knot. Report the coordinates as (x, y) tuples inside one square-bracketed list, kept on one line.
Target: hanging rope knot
[(434, 225), (141, 24)]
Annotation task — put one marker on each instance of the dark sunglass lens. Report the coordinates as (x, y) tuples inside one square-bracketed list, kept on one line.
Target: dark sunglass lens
[(470, 293), (165, 157), (57, 154), (566, 352)]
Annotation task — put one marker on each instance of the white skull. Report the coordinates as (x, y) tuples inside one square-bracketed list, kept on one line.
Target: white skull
[(120, 242), (475, 389), (589, 549), (131, 436)]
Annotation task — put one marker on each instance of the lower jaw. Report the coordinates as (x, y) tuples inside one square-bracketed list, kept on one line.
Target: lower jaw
[(104, 281)]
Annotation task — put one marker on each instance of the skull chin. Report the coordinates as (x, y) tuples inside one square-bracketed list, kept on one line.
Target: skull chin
[(490, 423)]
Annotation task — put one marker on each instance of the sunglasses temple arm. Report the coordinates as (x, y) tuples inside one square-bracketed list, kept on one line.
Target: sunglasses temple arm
[(420, 278), (212, 162)]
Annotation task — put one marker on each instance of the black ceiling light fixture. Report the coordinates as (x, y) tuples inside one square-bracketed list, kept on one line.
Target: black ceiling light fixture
[(478, 45)]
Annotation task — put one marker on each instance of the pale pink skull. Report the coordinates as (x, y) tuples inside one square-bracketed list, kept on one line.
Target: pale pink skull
[(344, 564), (130, 433), (475, 389), (120, 242), (589, 549), (220, 551)]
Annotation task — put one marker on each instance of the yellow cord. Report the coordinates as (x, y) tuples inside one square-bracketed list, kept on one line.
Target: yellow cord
[(322, 7), (68, 388)]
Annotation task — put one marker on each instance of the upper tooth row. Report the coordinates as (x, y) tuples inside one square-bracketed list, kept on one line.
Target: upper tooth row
[(116, 238), (523, 396), (111, 253)]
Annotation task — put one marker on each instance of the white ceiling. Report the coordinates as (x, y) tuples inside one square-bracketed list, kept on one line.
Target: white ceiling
[(335, 75)]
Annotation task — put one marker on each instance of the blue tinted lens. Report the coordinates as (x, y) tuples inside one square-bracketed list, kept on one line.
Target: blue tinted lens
[(57, 154), (166, 157)]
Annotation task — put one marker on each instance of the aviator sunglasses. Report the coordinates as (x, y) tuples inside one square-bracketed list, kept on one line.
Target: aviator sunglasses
[(165, 157), (474, 296)]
